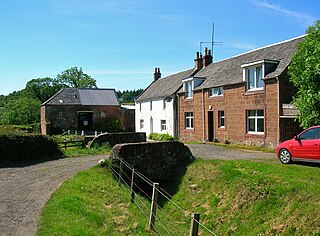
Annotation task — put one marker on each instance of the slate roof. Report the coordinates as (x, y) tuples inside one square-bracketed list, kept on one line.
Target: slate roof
[(165, 86), (75, 96), (229, 71)]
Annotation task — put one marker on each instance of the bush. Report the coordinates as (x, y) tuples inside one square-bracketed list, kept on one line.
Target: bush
[(161, 137), (21, 147)]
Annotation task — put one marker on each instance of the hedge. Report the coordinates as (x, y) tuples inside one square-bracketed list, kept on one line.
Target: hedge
[(20, 148)]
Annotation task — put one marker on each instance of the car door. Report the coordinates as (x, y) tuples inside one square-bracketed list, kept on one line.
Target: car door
[(307, 144)]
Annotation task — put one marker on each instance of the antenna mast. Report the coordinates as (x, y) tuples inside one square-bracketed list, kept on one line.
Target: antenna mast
[(212, 42)]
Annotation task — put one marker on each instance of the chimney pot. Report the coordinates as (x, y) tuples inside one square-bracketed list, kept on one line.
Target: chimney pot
[(156, 74)]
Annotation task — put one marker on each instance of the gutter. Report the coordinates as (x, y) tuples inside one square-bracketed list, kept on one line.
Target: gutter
[(203, 119)]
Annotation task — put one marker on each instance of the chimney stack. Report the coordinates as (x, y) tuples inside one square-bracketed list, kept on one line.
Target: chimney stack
[(198, 62), (207, 58), (156, 74)]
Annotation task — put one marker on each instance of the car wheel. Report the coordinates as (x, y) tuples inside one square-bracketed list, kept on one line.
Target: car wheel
[(285, 156)]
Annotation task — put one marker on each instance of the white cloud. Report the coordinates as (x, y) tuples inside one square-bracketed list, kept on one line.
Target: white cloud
[(306, 18)]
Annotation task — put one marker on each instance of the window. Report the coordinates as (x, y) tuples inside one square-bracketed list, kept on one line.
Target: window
[(163, 125), (189, 120), (103, 114), (254, 78), (150, 105), (141, 124), (164, 104), (188, 87), (221, 119), (310, 134), (216, 92), (140, 106), (60, 114), (255, 121)]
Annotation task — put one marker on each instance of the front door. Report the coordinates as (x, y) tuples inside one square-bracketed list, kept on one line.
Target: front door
[(85, 120), (210, 126)]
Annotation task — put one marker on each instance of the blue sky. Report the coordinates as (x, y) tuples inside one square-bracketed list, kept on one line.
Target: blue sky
[(119, 42)]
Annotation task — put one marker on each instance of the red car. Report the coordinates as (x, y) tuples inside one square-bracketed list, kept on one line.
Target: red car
[(303, 147)]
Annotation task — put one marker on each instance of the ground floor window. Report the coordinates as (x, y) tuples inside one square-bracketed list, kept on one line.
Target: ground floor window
[(163, 125), (255, 121), (221, 119), (189, 120), (141, 124)]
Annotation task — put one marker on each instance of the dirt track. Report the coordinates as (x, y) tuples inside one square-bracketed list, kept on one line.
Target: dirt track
[(24, 190)]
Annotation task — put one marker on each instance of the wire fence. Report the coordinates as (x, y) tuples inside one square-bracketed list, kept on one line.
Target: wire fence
[(179, 221)]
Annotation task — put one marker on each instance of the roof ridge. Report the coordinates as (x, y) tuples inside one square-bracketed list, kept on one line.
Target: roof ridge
[(263, 47)]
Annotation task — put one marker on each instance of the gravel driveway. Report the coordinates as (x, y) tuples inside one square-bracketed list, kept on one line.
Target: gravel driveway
[(24, 190)]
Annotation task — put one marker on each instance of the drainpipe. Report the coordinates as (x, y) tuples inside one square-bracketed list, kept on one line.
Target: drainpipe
[(203, 119), (278, 135)]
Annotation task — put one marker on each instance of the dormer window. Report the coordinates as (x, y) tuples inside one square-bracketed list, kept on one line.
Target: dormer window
[(254, 72), (189, 84), (214, 92)]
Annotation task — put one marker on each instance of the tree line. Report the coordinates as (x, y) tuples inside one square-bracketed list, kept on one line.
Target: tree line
[(23, 107)]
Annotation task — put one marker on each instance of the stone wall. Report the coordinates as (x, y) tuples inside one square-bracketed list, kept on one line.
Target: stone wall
[(116, 138), (155, 160)]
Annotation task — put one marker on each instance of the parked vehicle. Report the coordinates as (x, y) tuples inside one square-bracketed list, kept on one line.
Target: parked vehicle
[(303, 147)]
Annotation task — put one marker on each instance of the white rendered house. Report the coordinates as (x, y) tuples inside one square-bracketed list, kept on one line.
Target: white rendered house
[(157, 106)]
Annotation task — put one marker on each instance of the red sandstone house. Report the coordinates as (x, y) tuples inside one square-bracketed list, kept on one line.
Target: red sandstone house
[(244, 99), (86, 110)]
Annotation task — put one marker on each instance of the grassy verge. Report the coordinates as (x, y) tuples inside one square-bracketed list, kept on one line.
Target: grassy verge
[(232, 197), (78, 151)]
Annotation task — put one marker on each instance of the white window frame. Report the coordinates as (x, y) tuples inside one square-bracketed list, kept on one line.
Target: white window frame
[(189, 89), (141, 124), (221, 118), (188, 120), (255, 118), (216, 92), (163, 125), (103, 114)]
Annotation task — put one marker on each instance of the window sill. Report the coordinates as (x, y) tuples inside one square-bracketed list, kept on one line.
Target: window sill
[(254, 91), (255, 134)]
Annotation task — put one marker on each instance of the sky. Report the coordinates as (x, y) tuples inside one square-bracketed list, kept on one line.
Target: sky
[(120, 42)]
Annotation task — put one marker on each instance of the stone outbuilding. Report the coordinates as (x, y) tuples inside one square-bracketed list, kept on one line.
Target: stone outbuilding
[(85, 110)]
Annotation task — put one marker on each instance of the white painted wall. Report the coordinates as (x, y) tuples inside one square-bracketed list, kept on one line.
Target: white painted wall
[(157, 114)]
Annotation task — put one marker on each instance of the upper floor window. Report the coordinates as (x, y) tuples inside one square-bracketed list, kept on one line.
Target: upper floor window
[(164, 104), (254, 78), (140, 106), (188, 92), (150, 105), (216, 92)]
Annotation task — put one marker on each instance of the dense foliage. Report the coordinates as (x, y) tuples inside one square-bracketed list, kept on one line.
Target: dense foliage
[(304, 72), (23, 107), (128, 96), (20, 148)]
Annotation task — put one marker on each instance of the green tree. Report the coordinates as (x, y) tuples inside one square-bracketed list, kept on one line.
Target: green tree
[(75, 78), (21, 111), (304, 72), (43, 88)]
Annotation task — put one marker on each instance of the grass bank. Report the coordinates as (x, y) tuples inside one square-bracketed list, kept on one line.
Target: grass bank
[(232, 197)]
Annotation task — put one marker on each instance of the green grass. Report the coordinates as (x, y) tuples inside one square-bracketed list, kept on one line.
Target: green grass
[(78, 151), (232, 197), (161, 137)]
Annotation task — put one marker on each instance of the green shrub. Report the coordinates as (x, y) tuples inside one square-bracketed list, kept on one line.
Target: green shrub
[(16, 147), (161, 137)]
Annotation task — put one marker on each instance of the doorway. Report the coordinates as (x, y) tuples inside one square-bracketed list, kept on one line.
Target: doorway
[(85, 120), (210, 126)]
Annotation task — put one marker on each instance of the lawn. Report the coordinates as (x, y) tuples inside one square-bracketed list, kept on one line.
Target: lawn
[(232, 197)]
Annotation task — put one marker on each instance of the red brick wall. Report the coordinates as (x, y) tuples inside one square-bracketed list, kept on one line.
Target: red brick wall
[(235, 102)]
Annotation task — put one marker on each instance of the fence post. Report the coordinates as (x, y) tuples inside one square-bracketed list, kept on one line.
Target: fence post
[(153, 205), (194, 224), (120, 171), (132, 186)]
